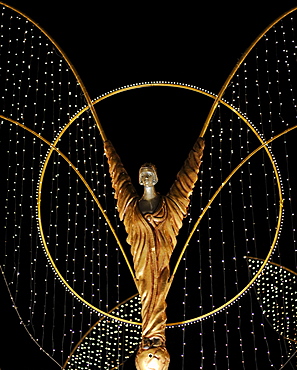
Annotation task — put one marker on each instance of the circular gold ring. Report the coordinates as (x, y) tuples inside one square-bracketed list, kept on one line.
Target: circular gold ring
[(197, 90)]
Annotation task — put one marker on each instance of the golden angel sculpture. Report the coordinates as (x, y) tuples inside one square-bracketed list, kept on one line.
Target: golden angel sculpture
[(93, 267), (152, 223)]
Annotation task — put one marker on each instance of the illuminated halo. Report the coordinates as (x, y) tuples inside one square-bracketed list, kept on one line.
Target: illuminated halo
[(263, 144)]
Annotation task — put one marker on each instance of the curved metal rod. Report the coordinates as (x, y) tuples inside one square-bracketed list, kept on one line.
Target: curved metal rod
[(41, 229), (127, 88), (53, 148), (98, 100), (208, 205), (79, 80), (251, 282), (234, 70)]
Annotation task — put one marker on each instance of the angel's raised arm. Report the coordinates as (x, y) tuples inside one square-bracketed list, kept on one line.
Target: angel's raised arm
[(182, 188), (120, 180)]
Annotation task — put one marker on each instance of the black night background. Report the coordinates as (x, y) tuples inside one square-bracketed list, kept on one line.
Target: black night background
[(114, 44)]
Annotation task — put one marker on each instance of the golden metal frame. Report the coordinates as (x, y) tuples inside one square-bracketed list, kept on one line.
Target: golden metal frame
[(217, 100), (236, 67), (84, 90), (53, 148), (38, 199)]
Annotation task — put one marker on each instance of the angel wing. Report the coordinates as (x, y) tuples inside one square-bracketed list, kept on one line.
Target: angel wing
[(58, 197), (46, 119)]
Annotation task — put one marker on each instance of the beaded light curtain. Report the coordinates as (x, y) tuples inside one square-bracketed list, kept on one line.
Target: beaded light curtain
[(64, 259)]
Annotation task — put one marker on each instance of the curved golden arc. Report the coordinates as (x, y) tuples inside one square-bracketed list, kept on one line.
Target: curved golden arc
[(264, 145), (46, 161), (79, 80), (127, 88), (92, 327), (227, 179), (53, 148), (234, 70), (214, 106), (65, 128), (204, 211), (133, 87), (211, 112), (52, 262), (217, 101), (237, 296)]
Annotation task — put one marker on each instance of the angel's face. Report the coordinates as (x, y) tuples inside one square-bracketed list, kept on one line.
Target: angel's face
[(147, 176), (152, 359)]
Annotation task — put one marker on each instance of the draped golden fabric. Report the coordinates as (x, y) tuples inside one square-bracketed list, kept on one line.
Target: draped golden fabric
[(152, 237)]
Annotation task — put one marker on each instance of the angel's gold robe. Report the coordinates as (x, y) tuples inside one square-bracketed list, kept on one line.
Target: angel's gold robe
[(152, 236)]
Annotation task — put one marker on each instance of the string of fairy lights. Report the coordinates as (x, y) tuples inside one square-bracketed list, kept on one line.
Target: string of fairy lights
[(276, 290), (276, 106), (108, 342), (57, 289)]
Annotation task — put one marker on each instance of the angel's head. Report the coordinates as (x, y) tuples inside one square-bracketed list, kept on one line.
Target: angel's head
[(148, 175), (155, 358)]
